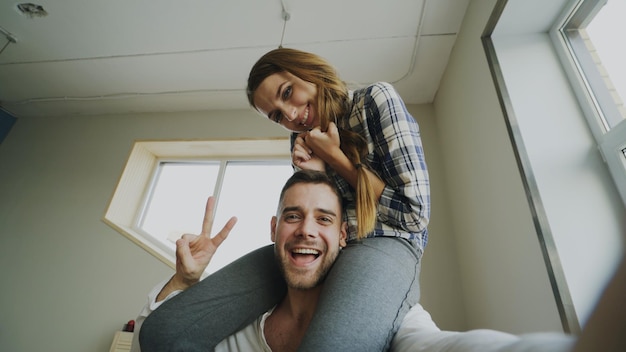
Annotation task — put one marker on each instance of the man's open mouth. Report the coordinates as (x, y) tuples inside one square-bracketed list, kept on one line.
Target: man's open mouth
[(303, 256)]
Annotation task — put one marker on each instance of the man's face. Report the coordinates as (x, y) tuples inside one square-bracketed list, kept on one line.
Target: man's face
[(308, 233)]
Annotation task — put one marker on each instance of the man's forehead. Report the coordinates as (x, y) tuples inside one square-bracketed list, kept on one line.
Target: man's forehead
[(302, 194)]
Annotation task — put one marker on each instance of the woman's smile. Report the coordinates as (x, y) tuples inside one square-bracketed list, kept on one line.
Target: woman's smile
[(288, 101)]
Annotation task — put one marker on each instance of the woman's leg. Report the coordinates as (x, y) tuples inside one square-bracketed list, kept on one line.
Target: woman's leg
[(218, 306), (367, 293)]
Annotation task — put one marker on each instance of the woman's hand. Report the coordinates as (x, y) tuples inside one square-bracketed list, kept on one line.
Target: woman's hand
[(325, 145), (303, 157)]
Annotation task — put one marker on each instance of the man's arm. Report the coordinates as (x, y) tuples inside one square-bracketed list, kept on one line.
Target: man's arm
[(193, 255), (194, 252)]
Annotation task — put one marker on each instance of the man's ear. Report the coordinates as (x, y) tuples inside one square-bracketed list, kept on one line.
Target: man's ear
[(343, 235), (273, 228)]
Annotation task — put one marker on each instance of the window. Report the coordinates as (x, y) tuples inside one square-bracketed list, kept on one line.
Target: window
[(247, 189), (163, 191), (553, 121), (587, 39)]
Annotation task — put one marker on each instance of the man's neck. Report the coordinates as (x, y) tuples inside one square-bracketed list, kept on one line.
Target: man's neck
[(286, 326)]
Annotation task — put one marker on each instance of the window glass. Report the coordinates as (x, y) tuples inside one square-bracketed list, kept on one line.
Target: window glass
[(176, 201), (248, 190), (605, 30), (588, 40)]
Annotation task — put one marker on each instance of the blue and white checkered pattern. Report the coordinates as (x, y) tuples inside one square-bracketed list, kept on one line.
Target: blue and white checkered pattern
[(396, 155)]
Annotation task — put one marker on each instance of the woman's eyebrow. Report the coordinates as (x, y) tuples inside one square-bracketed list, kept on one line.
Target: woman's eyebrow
[(280, 88)]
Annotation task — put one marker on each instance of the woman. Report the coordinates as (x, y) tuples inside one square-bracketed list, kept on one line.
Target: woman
[(370, 145)]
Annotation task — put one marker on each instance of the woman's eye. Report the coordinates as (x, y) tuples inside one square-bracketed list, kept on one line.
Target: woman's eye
[(277, 117), (287, 93)]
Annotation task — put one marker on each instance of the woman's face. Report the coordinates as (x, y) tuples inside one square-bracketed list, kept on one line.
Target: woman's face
[(288, 101)]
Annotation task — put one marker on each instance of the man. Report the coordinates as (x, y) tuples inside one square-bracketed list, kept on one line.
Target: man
[(308, 232)]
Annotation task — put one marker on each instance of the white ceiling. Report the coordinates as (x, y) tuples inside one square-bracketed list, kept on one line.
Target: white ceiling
[(119, 56)]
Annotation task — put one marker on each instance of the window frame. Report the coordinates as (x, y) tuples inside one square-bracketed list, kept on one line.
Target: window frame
[(520, 53), (126, 205), (596, 100)]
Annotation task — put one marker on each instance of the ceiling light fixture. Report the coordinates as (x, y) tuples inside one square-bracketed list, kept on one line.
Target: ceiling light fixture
[(32, 10), (286, 16)]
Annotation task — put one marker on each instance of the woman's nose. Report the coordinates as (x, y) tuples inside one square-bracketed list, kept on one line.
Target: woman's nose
[(290, 113)]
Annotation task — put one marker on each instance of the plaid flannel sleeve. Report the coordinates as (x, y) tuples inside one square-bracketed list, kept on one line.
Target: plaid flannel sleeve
[(398, 157)]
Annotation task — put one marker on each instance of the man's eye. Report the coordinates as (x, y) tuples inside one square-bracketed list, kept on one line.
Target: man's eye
[(291, 217), (325, 219)]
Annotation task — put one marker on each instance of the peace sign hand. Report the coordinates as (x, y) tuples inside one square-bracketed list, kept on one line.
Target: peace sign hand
[(194, 252)]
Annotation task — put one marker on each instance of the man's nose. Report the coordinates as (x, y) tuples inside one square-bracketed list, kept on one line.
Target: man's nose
[(308, 228)]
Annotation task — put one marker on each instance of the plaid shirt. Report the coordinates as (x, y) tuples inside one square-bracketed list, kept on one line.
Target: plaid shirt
[(396, 155)]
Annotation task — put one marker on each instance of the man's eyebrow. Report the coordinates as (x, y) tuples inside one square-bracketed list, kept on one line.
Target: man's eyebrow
[(297, 208), (288, 209), (326, 211)]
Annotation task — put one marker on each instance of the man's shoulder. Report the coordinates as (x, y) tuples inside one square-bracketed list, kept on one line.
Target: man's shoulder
[(242, 340), (248, 339)]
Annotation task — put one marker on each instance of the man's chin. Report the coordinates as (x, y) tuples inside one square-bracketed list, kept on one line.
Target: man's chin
[(297, 282)]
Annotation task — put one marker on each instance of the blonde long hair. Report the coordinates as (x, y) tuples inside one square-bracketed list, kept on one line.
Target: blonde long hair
[(332, 104)]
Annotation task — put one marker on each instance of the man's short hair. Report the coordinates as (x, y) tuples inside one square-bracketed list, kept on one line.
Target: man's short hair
[(313, 177)]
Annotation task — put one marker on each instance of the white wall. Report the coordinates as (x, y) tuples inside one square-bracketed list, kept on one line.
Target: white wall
[(70, 280), (504, 279), (440, 278)]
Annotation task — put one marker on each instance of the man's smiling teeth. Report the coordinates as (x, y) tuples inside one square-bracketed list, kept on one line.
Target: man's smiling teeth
[(305, 251)]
